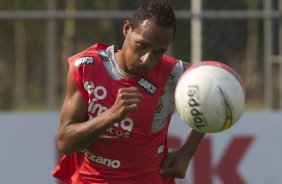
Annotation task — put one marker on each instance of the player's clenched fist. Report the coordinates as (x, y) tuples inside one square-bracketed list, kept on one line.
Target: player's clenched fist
[(127, 100)]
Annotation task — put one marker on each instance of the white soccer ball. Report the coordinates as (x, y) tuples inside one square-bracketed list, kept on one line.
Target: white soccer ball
[(210, 97)]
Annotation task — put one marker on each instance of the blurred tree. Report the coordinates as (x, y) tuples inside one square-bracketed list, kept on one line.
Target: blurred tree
[(6, 79), (106, 25), (251, 64), (20, 58), (67, 41)]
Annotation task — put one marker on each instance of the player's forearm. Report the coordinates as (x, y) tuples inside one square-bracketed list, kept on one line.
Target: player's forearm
[(192, 142), (76, 136)]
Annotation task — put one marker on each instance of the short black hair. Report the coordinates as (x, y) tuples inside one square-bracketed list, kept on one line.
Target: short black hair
[(159, 11)]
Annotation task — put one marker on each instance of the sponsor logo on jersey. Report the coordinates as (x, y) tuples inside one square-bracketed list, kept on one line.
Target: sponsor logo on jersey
[(159, 106), (160, 149), (147, 85), (105, 58), (120, 129), (102, 160), (85, 60), (171, 77)]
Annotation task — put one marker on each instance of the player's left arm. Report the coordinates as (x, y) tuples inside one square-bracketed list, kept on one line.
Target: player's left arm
[(177, 162)]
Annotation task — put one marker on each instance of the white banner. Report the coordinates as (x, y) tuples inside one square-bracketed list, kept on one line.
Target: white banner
[(248, 153)]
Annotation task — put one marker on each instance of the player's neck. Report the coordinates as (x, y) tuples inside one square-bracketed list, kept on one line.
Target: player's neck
[(120, 61)]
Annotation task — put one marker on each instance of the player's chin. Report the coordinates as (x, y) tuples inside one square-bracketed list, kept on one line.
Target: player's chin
[(138, 71)]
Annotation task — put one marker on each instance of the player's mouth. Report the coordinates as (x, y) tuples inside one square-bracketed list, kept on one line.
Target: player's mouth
[(138, 69)]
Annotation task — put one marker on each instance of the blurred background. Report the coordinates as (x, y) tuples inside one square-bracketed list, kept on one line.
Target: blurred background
[(37, 37)]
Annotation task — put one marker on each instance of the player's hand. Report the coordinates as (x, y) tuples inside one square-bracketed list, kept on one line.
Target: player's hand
[(127, 100), (175, 165)]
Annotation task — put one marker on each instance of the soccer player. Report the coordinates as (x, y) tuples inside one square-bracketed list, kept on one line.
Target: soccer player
[(115, 117)]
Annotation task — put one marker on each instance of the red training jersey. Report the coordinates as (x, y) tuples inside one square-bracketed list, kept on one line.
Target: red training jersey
[(128, 152)]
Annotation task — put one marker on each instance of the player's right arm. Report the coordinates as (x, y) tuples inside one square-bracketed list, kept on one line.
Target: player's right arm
[(75, 131)]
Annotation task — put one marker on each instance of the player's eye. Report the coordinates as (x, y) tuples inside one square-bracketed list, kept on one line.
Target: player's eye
[(142, 46)]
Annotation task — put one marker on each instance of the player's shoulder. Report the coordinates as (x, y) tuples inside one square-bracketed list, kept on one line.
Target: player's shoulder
[(177, 71), (86, 57)]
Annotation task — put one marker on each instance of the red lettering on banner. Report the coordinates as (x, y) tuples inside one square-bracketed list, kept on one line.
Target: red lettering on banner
[(226, 169)]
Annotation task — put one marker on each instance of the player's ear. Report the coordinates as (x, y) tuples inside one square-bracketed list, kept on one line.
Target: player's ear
[(126, 27)]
